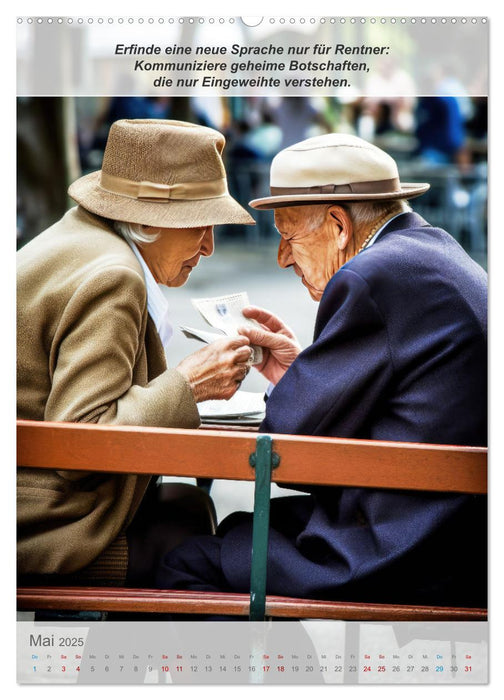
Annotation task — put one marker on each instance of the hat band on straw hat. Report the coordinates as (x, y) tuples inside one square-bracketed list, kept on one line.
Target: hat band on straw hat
[(371, 187), (145, 190)]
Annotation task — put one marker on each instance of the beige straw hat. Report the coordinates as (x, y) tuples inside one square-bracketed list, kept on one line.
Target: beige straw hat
[(334, 167), (159, 172)]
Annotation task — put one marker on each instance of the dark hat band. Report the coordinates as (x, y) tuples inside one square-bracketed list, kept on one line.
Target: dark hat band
[(372, 187)]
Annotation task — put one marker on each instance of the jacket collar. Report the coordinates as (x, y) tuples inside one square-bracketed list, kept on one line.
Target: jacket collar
[(407, 220)]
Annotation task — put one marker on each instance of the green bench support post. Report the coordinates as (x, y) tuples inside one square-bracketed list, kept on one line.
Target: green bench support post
[(264, 461)]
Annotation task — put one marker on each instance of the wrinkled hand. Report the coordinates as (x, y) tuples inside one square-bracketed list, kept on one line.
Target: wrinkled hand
[(217, 370), (279, 344)]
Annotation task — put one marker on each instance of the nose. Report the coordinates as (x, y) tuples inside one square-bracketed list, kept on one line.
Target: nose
[(284, 257), (207, 244)]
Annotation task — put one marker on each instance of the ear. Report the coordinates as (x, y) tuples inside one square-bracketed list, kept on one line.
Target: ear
[(340, 218)]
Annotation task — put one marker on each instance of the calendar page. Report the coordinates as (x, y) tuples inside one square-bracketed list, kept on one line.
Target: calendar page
[(334, 168)]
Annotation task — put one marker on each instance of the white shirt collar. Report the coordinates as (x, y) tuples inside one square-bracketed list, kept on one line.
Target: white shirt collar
[(157, 304), (382, 227)]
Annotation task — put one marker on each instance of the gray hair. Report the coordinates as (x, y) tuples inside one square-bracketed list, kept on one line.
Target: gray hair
[(363, 214), (367, 213), (134, 233)]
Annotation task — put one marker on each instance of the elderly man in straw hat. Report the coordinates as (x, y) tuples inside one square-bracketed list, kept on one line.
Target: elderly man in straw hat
[(399, 353), (92, 325)]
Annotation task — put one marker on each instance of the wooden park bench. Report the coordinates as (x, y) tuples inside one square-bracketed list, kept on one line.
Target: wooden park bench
[(225, 454)]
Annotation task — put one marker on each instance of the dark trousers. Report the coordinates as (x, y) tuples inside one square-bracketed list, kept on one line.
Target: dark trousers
[(337, 551), (168, 515), (198, 563)]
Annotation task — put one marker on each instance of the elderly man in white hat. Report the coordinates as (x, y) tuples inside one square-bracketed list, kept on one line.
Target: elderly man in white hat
[(92, 329), (399, 353)]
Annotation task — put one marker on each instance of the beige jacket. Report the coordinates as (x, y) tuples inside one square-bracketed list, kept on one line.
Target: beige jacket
[(87, 351)]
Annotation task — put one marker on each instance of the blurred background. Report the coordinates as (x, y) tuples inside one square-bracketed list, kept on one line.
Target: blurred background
[(438, 139)]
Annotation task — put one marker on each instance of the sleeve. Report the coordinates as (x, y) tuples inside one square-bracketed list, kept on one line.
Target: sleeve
[(335, 385), (97, 344)]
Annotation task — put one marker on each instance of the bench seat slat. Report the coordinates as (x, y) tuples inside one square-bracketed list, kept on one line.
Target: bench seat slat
[(146, 600)]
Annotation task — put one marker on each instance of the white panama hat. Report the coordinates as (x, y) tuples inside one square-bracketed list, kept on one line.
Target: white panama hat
[(334, 167)]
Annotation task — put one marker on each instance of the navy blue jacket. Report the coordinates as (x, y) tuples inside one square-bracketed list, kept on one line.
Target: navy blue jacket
[(399, 353)]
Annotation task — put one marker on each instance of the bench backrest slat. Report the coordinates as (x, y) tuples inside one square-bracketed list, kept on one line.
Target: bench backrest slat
[(303, 460)]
